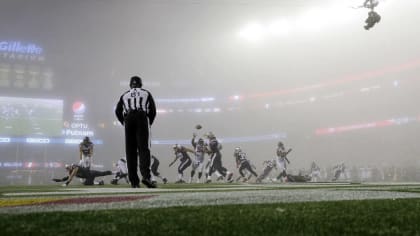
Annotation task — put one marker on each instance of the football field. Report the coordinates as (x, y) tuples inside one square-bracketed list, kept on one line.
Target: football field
[(212, 209)]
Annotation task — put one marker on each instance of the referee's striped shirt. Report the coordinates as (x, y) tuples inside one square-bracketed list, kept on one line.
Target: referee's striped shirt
[(136, 99)]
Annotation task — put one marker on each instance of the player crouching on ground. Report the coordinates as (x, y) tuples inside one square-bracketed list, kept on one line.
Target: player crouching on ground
[(121, 171), (83, 173)]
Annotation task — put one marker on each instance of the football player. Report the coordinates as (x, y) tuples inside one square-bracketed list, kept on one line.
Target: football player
[(339, 170), (84, 173), (247, 174), (86, 152), (154, 170), (181, 153), (315, 172), (198, 163), (282, 161), (243, 164), (269, 165), (216, 159), (121, 171)]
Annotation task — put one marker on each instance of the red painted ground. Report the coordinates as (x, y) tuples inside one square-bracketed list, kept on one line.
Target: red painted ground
[(89, 200)]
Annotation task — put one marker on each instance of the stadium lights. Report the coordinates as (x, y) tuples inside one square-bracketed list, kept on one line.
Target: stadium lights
[(4, 140), (253, 32), (279, 28), (312, 19)]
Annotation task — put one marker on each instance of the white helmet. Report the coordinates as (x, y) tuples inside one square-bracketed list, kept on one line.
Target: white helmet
[(237, 150)]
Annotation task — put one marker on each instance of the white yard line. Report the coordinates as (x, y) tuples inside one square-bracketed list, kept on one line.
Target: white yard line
[(79, 191)]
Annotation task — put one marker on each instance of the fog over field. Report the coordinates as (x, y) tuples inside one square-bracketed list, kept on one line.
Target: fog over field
[(253, 72)]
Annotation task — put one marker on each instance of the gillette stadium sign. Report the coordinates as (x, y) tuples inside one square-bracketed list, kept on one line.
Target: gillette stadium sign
[(20, 48)]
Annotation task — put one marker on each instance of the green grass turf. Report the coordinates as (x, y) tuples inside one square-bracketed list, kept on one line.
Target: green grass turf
[(367, 217)]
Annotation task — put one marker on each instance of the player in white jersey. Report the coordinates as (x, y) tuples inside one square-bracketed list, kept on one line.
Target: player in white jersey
[(315, 172), (269, 165), (86, 153), (282, 161), (121, 171), (198, 162)]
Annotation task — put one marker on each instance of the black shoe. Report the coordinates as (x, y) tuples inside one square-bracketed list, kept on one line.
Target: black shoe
[(148, 183), (229, 177), (135, 185), (165, 180)]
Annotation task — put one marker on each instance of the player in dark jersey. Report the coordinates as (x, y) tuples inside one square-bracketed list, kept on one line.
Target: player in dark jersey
[(339, 170), (243, 163), (86, 152), (214, 148), (181, 154), (83, 173), (154, 170)]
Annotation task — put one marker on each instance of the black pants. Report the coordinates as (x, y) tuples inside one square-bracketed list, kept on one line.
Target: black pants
[(154, 167), (184, 165), (245, 165), (137, 144), (216, 164), (90, 175)]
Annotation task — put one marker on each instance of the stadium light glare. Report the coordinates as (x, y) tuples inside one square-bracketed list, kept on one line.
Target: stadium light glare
[(253, 32), (279, 28), (313, 19)]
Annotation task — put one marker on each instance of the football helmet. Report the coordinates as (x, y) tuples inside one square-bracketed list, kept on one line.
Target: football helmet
[(210, 135), (237, 151), (176, 147)]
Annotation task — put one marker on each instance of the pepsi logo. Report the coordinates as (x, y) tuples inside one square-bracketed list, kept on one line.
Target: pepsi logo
[(79, 108)]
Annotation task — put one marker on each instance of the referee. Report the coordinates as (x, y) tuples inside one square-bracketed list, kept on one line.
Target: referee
[(136, 110)]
